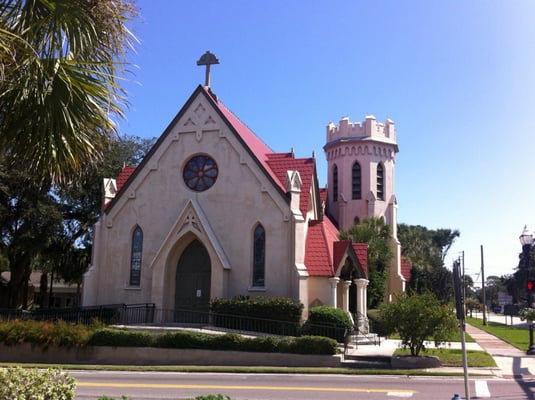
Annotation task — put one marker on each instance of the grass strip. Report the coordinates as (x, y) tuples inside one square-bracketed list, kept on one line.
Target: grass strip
[(515, 336), (243, 370), (454, 357)]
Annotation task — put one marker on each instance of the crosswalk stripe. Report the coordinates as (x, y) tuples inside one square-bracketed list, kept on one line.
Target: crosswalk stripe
[(482, 389)]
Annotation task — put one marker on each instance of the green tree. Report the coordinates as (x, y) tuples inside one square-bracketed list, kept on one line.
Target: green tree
[(29, 218), (51, 230), (69, 253), (426, 249), (376, 233), (61, 62), (417, 318)]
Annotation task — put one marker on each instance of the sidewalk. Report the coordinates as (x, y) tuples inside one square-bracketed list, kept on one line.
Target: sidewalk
[(511, 362)]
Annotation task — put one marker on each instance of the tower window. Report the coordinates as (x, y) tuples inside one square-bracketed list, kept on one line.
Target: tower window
[(356, 182), (335, 183), (380, 182), (135, 260), (259, 256)]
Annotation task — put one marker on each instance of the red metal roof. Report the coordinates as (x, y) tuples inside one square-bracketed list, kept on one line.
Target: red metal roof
[(340, 250), (361, 250), (324, 251), (280, 163), (276, 164), (406, 267), (123, 176), (323, 195), (318, 250), (253, 142)]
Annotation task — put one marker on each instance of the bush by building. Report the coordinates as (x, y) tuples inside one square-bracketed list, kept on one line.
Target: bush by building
[(329, 322)]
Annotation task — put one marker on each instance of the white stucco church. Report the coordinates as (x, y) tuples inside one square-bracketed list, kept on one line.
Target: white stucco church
[(213, 212)]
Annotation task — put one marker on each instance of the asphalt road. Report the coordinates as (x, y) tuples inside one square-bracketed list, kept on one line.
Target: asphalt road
[(158, 385)]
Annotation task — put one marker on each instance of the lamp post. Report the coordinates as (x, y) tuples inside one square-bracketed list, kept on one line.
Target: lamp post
[(526, 240)]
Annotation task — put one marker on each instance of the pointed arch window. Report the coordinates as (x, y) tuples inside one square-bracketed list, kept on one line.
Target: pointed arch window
[(356, 188), (135, 258), (335, 183), (259, 256), (380, 182)]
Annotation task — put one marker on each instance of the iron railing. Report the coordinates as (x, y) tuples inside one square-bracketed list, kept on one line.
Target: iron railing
[(148, 314)]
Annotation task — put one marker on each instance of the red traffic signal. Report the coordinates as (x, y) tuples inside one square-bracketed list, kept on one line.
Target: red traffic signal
[(531, 285)]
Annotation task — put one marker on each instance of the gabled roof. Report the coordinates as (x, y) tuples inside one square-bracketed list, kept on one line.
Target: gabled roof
[(123, 176), (324, 251), (275, 165), (279, 163), (319, 249), (361, 250), (406, 267)]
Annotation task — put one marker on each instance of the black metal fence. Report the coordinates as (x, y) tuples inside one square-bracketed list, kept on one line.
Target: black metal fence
[(148, 314), (107, 314)]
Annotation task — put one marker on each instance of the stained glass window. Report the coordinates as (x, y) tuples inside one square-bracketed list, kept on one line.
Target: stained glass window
[(200, 173), (135, 260), (259, 258)]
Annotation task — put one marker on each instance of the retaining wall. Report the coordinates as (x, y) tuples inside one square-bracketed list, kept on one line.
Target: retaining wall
[(26, 353)]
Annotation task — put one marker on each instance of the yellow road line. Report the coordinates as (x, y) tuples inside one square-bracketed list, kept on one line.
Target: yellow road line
[(236, 387)]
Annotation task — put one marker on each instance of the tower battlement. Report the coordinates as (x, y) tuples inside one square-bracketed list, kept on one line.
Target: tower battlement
[(369, 128)]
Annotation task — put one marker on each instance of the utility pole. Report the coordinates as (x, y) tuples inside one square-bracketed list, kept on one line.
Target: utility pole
[(483, 288), (464, 282)]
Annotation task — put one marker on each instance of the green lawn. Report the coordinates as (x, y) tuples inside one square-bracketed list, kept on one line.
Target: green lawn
[(454, 357), (518, 337)]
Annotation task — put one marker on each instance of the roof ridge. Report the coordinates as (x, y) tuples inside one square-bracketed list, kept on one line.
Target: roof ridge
[(221, 104)]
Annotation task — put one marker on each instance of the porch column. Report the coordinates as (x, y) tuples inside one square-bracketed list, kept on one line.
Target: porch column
[(362, 306), (334, 285), (345, 296)]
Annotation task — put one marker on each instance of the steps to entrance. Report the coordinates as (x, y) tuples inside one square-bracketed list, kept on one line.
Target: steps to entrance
[(366, 339)]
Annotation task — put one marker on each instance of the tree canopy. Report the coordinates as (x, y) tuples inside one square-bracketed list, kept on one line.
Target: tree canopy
[(376, 233), (61, 65), (51, 229), (426, 249)]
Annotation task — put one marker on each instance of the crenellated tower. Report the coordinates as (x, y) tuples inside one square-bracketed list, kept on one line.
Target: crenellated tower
[(361, 158)]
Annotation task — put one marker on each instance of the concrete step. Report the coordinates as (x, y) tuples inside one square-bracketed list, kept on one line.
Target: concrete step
[(362, 339)]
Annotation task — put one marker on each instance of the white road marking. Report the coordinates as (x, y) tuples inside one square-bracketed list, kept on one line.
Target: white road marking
[(400, 394), (482, 389)]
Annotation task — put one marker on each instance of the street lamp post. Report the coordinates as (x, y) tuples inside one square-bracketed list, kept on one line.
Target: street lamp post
[(526, 240)]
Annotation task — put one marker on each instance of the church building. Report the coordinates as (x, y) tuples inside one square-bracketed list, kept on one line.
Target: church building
[(213, 212)]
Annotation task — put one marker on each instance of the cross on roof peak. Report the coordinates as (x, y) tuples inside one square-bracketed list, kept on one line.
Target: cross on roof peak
[(207, 59)]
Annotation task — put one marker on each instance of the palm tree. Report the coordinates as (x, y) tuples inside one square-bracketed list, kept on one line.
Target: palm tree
[(61, 62), (376, 233)]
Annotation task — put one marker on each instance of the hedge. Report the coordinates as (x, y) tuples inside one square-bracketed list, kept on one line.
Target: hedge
[(275, 315), (15, 332)]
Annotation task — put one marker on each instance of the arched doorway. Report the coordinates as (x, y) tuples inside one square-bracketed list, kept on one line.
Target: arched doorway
[(192, 289)]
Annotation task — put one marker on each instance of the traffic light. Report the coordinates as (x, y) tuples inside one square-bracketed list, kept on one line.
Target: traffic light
[(531, 284)]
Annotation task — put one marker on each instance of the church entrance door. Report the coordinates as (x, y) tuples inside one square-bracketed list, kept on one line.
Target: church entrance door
[(193, 277)]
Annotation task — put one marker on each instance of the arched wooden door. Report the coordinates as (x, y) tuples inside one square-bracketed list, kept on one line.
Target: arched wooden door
[(193, 277)]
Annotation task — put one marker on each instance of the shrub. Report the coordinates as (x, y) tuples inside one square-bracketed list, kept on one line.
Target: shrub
[(211, 397), (418, 318), (312, 345), (327, 321), (121, 338), (44, 333), (281, 316), (22, 384), (183, 340)]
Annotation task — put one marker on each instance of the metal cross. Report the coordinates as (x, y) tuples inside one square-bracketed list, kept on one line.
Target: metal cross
[(207, 59)]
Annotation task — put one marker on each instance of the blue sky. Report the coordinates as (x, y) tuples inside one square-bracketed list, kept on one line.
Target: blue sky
[(457, 77)]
